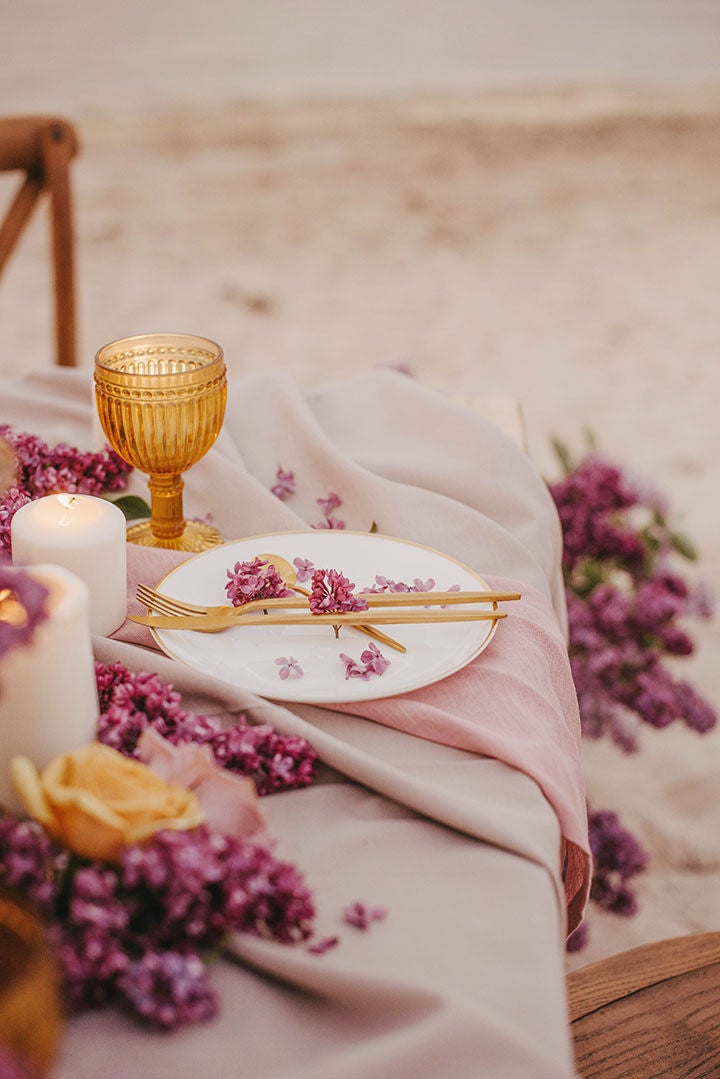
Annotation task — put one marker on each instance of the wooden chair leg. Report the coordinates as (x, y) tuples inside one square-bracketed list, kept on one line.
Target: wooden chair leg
[(20, 210), (57, 151)]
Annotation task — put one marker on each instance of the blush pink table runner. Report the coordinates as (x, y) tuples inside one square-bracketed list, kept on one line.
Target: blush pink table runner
[(460, 807)]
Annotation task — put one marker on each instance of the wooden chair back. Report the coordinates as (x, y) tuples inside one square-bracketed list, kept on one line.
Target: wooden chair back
[(42, 147)]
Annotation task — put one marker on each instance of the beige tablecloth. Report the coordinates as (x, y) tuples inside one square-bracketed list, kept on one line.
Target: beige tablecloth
[(460, 809)]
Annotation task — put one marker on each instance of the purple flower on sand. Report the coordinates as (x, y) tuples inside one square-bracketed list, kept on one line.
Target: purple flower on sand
[(332, 592), (289, 667), (257, 579)]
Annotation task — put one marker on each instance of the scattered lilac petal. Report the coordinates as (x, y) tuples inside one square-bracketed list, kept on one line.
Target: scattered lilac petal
[(289, 667), (325, 944), (327, 505), (285, 485), (372, 661), (361, 916), (304, 569)]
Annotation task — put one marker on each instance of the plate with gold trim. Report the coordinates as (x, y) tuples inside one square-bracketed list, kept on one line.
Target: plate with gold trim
[(246, 656)]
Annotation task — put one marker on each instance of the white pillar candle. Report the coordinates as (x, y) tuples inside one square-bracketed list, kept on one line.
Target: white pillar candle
[(86, 535), (48, 693)]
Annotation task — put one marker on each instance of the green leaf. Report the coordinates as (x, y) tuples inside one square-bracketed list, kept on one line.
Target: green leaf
[(132, 506), (563, 455), (590, 440), (684, 546)]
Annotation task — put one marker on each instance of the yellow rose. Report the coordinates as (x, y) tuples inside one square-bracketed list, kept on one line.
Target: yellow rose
[(96, 801)]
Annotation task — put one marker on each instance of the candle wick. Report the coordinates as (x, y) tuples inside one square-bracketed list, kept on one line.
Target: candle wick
[(66, 501)]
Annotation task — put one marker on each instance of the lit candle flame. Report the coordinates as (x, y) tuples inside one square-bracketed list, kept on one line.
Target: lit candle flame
[(67, 502)]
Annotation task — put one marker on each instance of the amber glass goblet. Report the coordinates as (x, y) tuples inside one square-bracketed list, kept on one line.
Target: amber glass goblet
[(161, 402)]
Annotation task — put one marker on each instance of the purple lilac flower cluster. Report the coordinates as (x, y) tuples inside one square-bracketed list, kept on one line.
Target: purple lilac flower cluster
[(624, 605), (43, 470), (332, 592), (625, 601), (257, 579), (617, 858), (131, 702), (132, 934)]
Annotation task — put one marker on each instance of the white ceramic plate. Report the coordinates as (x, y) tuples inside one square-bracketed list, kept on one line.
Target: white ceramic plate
[(245, 657)]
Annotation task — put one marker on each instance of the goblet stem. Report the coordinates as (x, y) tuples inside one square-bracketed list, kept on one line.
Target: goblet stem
[(166, 520)]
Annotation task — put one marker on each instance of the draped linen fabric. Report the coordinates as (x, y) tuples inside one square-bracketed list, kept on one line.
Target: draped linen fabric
[(458, 807)]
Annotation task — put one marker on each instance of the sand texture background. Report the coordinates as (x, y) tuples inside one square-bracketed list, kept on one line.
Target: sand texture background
[(327, 190)]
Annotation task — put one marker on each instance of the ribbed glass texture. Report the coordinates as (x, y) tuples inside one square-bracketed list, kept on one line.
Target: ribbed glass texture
[(161, 399)]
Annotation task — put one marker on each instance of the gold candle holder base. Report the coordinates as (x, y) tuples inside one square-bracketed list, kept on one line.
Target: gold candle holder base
[(196, 536)]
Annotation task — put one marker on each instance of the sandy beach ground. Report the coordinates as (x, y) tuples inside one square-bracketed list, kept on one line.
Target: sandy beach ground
[(535, 222)]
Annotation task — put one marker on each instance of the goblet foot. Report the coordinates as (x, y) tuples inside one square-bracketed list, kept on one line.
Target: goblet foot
[(196, 536)]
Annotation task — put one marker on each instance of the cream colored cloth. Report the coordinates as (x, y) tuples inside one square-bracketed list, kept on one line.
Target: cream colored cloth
[(466, 842)]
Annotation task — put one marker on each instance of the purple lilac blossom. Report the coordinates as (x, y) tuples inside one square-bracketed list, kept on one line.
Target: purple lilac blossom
[(330, 523), (332, 592), (361, 916), (325, 944), (285, 485), (327, 505), (43, 470), (257, 579), (372, 661), (168, 989), (131, 702), (289, 667), (304, 569), (177, 893)]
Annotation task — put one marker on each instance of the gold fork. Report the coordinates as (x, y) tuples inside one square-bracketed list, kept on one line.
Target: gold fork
[(167, 605)]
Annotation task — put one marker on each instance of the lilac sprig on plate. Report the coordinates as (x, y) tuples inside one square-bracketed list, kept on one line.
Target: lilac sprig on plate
[(256, 579), (331, 592)]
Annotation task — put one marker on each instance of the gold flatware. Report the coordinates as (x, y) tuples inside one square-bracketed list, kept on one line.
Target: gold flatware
[(171, 606), (212, 622), (156, 601)]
